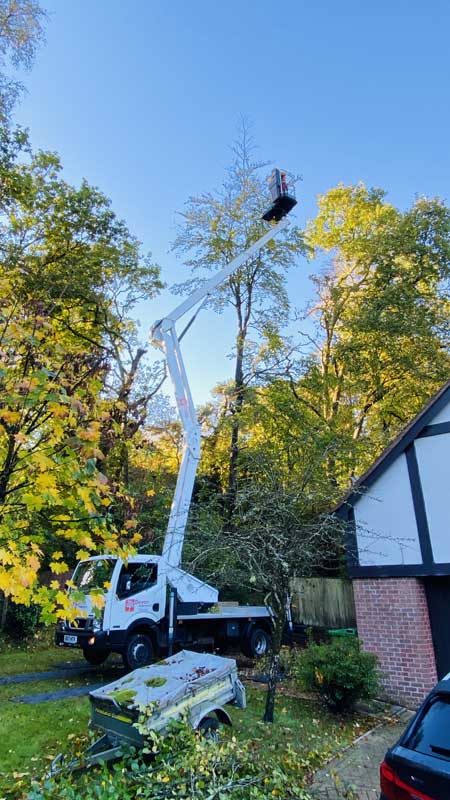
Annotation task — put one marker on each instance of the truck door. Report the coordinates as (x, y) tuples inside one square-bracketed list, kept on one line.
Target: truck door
[(139, 594)]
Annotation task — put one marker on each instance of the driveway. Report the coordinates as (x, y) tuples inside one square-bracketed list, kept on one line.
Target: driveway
[(355, 775)]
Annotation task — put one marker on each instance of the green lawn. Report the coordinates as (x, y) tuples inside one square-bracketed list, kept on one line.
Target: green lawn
[(39, 656), (300, 724), (303, 737), (33, 734), (30, 732)]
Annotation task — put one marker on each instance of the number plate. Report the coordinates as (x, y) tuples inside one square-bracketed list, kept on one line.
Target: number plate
[(70, 639)]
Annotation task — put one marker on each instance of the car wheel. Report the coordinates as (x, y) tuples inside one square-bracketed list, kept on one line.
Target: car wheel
[(95, 657), (257, 644), (139, 651)]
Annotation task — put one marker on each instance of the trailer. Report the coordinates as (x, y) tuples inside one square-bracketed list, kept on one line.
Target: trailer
[(192, 686)]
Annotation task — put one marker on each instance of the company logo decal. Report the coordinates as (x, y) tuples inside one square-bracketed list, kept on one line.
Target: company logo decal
[(132, 604)]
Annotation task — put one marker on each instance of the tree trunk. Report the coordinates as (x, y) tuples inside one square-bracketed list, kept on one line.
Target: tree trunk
[(235, 423), (8, 466), (4, 601), (274, 667)]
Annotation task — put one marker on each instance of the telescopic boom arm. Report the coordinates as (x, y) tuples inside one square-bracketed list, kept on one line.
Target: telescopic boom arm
[(164, 336)]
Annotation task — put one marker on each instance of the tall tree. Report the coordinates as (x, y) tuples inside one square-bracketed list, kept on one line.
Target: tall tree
[(130, 384), (381, 341), (64, 256), (155, 455), (215, 228), (280, 529), (21, 33)]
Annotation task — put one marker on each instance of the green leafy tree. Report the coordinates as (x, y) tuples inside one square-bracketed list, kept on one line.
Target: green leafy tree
[(280, 529), (377, 349), (215, 228), (381, 344), (21, 33), (65, 258), (49, 481)]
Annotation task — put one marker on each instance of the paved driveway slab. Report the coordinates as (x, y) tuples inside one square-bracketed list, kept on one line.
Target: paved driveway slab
[(355, 775)]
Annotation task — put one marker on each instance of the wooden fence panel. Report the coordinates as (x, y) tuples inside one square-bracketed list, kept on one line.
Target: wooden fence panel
[(323, 601)]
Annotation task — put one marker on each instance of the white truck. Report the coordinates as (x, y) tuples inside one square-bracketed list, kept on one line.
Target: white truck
[(152, 605)]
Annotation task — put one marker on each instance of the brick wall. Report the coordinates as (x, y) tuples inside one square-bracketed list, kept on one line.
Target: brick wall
[(393, 622)]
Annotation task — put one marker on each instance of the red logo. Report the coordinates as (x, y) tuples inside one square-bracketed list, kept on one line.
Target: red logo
[(129, 605)]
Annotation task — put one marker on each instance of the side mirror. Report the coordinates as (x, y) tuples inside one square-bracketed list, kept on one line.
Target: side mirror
[(124, 586)]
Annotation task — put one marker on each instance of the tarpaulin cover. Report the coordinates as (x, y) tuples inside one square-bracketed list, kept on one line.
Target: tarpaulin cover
[(184, 674)]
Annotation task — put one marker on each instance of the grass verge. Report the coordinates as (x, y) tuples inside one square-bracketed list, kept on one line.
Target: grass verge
[(303, 737), (36, 655)]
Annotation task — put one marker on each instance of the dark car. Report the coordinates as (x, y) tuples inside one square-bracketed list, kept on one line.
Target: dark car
[(418, 766)]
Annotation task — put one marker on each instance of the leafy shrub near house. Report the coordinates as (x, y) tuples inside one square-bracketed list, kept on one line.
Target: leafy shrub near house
[(340, 673)]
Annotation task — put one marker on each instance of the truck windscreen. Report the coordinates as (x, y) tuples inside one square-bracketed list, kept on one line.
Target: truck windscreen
[(91, 575)]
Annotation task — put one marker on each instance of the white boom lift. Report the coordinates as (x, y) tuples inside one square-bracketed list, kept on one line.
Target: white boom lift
[(164, 336), (146, 622)]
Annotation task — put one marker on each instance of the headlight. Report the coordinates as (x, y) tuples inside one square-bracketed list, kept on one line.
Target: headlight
[(96, 624)]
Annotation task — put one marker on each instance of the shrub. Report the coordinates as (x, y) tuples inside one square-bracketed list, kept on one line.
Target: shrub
[(21, 621), (340, 673)]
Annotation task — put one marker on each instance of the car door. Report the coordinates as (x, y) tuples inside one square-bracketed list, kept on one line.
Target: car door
[(139, 594)]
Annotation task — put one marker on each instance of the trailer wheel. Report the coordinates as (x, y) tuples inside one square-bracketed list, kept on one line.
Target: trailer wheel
[(139, 651), (95, 657), (257, 644), (209, 729)]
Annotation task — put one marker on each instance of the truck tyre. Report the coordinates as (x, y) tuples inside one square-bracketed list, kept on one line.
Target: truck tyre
[(95, 657), (209, 729), (139, 651), (257, 643)]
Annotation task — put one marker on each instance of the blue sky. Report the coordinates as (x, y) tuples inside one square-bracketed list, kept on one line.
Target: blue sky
[(143, 97)]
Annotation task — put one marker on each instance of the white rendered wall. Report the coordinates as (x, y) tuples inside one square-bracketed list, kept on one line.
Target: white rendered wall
[(443, 416), (385, 520), (433, 457)]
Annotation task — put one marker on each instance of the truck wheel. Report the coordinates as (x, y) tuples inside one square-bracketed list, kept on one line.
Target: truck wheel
[(209, 729), (139, 651), (95, 656), (257, 644)]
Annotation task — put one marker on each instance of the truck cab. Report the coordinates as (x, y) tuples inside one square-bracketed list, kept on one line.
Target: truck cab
[(134, 601)]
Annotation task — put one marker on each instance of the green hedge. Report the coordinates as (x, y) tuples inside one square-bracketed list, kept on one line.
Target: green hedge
[(21, 621), (340, 673)]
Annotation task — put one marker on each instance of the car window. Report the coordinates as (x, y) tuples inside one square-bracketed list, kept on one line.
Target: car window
[(135, 578), (431, 735)]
